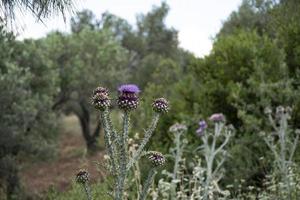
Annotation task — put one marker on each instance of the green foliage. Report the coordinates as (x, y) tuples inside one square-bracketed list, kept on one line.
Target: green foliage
[(84, 59), (251, 70), (76, 192), (28, 124)]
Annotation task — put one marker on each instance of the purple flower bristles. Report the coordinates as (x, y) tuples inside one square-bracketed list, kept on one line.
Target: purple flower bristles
[(100, 98), (156, 158), (129, 88), (217, 117), (160, 105), (128, 97), (202, 127)]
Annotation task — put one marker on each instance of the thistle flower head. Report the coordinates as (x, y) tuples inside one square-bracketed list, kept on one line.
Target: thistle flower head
[(82, 176), (156, 158), (178, 128), (217, 117), (100, 90), (160, 105), (280, 110), (288, 110), (268, 111), (129, 88), (202, 127), (128, 97), (100, 98)]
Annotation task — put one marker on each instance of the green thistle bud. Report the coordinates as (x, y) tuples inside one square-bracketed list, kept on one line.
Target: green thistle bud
[(100, 98), (101, 90), (82, 176), (160, 105), (156, 158)]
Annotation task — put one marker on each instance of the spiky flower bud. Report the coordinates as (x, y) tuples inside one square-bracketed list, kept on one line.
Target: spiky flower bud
[(279, 110), (101, 90), (128, 97), (176, 128), (268, 111), (217, 117), (100, 98), (160, 105), (156, 158), (82, 176), (288, 110)]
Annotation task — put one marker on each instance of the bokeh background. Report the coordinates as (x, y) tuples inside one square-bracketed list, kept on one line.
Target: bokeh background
[(235, 57)]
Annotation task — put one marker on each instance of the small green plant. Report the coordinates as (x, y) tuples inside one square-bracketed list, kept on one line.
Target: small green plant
[(119, 158)]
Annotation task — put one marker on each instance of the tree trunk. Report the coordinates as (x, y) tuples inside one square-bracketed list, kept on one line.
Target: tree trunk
[(9, 174), (84, 119), (80, 109)]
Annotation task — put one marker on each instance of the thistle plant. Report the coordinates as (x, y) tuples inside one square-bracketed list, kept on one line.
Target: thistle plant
[(177, 152), (116, 143), (214, 151), (283, 144), (178, 130), (203, 182)]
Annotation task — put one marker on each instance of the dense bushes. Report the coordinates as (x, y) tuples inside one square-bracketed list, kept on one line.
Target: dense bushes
[(28, 125)]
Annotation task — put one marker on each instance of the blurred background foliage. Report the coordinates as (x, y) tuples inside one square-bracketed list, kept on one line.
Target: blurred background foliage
[(254, 63)]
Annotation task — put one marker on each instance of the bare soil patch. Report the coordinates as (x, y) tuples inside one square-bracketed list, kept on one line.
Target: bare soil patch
[(38, 177)]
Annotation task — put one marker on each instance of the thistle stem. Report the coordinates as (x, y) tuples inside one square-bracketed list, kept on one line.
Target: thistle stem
[(148, 183), (148, 134), (210, 157), (87, 191), (108, 139), (178, 155), (123, 157)]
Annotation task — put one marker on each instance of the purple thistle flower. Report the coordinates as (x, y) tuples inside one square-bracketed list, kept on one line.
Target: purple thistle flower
[(128, 97), (217, 117), (129, 88), (202, 127)]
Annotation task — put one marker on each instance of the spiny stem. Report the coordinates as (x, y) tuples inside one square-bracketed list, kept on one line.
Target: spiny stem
[(123, 157), (87, 191), (148, 134), (178, 155), (148, 183), (294, 148), (210, 157), (114, 134), (108, 139)]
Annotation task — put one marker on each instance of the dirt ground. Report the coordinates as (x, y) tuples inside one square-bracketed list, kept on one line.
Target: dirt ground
[(37, 178)]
